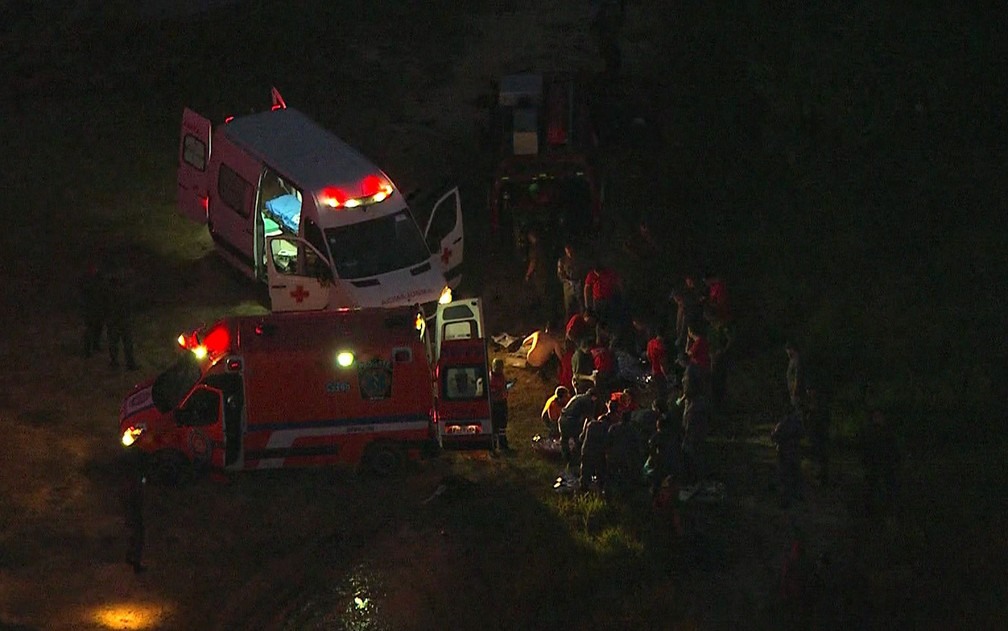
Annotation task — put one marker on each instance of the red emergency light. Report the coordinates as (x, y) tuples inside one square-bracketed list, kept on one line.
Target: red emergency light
[(372, 189), (217, 340), (333, 197)]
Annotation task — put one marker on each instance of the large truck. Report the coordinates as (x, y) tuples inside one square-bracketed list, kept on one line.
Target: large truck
[(359, 387), (547, 178), (293, 206)]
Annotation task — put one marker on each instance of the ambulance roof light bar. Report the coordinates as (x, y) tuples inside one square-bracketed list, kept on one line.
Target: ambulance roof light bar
[(373, 189)]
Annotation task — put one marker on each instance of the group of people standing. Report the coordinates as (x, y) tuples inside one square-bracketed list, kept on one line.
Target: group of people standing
[(606, 354)]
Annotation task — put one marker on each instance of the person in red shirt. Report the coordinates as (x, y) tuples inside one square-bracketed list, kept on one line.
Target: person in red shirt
[(580, 326), (605, 364), (698, 351), (657, 356), (566, 374), (602, 291), (717, 297), (624, 402)]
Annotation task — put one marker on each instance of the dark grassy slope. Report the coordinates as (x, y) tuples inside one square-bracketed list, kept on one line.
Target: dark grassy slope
[(845, 163), (840, 166)]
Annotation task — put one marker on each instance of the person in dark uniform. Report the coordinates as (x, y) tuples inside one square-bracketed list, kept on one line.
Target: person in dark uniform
[(499, 404), (94, 306), (120, 321), (134, 479), (594, 439), (787, 436)]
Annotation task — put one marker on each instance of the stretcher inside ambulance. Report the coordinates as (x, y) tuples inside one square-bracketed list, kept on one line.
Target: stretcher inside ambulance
[(293, 206), (353, 387)]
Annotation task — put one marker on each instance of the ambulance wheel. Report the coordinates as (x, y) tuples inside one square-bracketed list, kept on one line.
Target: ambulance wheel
[(170, 468), (384, 459)]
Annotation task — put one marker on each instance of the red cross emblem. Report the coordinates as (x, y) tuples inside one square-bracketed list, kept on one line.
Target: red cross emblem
[(445, 255), (299, 294)]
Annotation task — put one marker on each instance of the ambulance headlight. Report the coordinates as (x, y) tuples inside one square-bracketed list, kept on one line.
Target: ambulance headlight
[(131, 435), (345, 359), (446, 296)]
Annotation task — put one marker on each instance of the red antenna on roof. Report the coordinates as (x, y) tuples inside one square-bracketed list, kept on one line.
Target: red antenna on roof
[(278, 101)]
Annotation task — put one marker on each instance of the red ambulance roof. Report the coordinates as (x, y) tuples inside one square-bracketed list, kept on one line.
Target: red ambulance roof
[(293, 330)]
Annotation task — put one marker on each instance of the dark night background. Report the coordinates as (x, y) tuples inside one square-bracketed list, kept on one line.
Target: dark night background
[(841, 164)]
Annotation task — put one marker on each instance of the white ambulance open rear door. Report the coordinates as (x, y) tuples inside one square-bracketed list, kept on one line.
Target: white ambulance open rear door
[(444, 235), (291, 286), (457, 320), (194, 158)]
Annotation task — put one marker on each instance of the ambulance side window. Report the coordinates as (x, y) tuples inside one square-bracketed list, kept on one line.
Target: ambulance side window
[(233, 190), (315, 266), (201, 408)]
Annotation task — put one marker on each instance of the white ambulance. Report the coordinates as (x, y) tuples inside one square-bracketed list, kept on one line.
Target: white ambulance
[(295, 207)]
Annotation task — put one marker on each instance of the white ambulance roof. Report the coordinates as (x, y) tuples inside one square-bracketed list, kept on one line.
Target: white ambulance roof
[(300, 148)]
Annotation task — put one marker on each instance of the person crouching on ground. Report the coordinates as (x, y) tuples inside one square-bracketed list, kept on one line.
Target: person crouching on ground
[(544, 350), (551, 410), (578, 410)]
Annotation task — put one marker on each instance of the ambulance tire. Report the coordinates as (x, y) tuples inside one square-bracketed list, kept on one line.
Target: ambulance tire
[(170, 468), (383, 459)]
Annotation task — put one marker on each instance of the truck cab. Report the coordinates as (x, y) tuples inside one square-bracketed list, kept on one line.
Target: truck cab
[(293, 206)]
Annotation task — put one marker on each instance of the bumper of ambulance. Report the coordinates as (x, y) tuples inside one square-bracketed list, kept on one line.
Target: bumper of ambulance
[(460, 437)]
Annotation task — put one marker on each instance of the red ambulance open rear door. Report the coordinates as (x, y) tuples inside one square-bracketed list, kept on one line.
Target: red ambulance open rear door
[(462, 407), (194, 160)]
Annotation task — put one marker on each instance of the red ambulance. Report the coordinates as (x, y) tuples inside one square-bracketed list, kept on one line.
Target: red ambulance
[(353, 387), (293, 206)]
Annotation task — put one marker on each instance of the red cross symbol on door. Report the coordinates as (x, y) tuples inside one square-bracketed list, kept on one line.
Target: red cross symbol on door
[(299, 294), (446, 255)]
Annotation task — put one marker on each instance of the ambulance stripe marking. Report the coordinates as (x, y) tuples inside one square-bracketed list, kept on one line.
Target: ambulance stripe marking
[(336, 423), (283, 435)]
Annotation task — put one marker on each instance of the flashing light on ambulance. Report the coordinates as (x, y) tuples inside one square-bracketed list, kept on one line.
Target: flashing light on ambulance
[(373, 189), (216, 340), (285, 175)]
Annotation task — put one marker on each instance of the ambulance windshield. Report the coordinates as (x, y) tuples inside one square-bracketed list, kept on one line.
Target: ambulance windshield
[(378, 246), (174, 383)]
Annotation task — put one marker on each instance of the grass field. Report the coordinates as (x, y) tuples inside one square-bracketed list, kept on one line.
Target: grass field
[(839, 165)]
